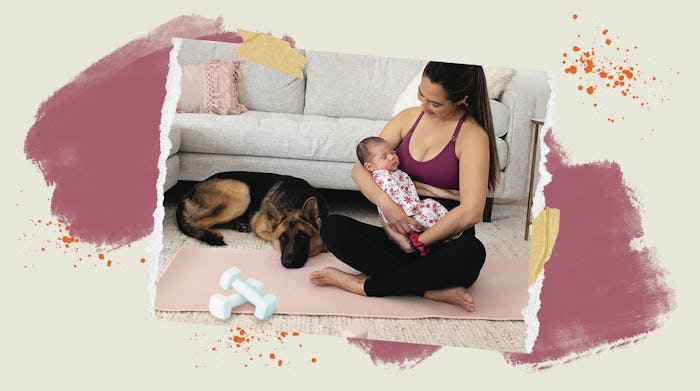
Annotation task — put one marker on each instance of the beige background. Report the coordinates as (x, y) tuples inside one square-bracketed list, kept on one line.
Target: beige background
[(86, 327)]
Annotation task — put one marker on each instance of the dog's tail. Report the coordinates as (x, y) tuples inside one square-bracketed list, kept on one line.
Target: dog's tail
[(188, 226)]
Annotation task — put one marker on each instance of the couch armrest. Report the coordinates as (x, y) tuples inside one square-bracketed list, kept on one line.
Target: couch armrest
[(515, 178)]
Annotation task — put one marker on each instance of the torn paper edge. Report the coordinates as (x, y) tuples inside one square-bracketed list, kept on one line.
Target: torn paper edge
[(172, 94), (594, 351), (538, 205)]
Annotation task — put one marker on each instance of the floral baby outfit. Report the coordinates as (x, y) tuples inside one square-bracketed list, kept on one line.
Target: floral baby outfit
[(399, 186)]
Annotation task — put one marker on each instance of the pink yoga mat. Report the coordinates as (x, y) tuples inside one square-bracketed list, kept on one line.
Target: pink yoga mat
[(193, 276)]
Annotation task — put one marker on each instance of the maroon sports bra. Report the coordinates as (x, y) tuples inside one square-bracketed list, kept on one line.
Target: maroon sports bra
[(441, 171)]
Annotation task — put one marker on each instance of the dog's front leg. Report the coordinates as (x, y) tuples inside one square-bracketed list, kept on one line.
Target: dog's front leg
[(261, 226)]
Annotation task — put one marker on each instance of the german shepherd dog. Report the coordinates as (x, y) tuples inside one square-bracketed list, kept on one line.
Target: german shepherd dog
[(281, 209)]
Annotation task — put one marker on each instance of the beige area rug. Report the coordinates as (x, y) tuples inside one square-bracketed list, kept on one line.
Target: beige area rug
[(502, 237), (193, 276)]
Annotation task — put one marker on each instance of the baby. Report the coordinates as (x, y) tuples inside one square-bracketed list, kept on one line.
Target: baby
[(376, 156)]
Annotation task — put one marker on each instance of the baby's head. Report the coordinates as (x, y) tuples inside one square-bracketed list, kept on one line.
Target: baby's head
[(374, 153)]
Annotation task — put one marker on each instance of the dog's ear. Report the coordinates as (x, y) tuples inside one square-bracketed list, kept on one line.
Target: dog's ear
[(310, 212), (274, 214)]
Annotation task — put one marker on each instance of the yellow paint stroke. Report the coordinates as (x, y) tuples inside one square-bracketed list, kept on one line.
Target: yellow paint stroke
[(272, 52), (545, 229)]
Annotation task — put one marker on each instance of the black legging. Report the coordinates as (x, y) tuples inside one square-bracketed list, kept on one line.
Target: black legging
[(391, 271)]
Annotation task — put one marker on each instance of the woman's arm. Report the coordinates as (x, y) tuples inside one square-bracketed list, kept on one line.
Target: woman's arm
[(394, 213), (473, 152)]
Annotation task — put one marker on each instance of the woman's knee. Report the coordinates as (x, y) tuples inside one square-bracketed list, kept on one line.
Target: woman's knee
[(332, 227), (479, 252)]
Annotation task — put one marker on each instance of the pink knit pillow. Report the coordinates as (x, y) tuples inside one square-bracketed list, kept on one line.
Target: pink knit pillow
[(211, 87)]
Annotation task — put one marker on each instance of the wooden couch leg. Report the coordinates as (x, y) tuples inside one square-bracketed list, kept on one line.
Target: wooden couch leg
[(487, 210)]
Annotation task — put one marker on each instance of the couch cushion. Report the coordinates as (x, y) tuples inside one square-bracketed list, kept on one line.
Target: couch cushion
[(292, 136), (502, 151), (261, 88), (500, 116), (280, 135), (172, 172), (174, 136), (356, 86)]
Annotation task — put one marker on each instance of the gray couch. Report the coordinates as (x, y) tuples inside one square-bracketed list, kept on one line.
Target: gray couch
[(309, 127)]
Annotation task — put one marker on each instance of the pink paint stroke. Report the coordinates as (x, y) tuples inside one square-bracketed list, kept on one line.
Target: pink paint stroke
[(97, 139), (597, 291), (405, 355)]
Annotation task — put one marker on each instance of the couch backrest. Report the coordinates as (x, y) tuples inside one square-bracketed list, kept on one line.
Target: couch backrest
[(261, 88), (357, 86)]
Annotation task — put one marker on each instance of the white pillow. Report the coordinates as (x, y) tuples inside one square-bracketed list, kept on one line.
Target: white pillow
[(409, 96), (497, 79)]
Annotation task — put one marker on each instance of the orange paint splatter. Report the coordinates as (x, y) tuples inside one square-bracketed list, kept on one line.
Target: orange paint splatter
[(574, 16), (236, 341), (313, 359), (143, 260), (109, 263), (607, 67), (101, 256)]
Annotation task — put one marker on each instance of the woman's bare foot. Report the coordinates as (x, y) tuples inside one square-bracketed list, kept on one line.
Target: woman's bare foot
[(456, 295), (354, 283)]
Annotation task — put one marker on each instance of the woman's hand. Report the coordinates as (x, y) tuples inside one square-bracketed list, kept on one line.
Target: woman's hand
[(397, 219), (400, 240)]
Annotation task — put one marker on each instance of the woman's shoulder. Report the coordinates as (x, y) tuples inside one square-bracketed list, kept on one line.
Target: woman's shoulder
[(398, 126), (407, 117), (408, 114), (472, 134)]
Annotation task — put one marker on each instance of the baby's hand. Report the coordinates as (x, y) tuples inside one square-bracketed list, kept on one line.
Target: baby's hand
[(400, 240), (398, 220)]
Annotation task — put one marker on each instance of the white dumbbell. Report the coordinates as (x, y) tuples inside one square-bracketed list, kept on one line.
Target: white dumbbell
[(221, 305), (264, 305)]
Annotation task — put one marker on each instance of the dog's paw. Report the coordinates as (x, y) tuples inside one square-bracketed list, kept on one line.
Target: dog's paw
[(214, 239), (241, 226)]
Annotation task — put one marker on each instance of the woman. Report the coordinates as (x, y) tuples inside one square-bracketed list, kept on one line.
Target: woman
[(447, 146)]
